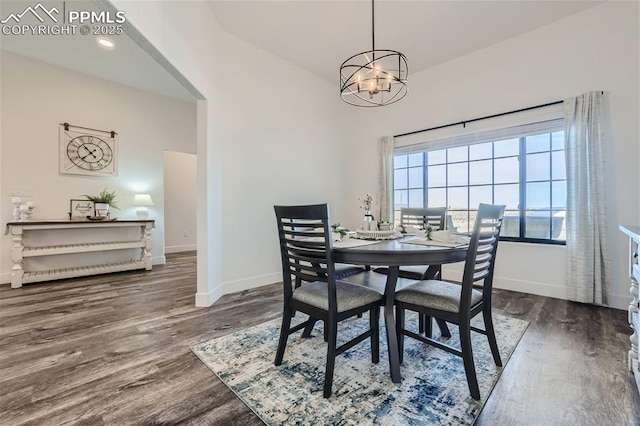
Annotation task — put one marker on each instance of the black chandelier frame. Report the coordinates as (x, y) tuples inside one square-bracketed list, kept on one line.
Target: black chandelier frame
[(354, 92)]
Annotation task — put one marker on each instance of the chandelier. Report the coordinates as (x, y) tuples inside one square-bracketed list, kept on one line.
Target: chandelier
[(375, 77)]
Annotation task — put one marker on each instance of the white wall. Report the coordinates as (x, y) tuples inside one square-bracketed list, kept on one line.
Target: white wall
[(180, 201), (595, 50), (36, 97), (269, 134)]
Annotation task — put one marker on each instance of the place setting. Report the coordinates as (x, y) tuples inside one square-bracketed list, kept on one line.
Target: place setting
[(440, 238)]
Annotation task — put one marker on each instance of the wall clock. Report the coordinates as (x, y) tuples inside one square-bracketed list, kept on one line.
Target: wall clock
[(86, 151)]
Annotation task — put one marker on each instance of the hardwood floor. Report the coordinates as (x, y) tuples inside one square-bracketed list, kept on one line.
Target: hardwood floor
[(114, 349)]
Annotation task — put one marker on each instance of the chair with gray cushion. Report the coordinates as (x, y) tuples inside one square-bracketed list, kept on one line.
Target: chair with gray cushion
[(458, 304), (420, 218), (310, 285)]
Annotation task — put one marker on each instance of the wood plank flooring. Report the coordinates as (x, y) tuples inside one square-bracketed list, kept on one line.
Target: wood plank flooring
[(114, 349)]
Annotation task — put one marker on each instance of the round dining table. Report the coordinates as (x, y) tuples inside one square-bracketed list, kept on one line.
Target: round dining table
[(394, 254)]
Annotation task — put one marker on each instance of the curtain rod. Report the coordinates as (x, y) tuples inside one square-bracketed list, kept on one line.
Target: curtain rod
[(464, 123)]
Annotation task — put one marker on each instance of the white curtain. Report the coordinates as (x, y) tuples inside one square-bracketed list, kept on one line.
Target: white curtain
[(588, 268), (385, 178)]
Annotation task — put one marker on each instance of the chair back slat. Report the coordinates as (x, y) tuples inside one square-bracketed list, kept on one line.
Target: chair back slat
[(306, 247), (483, 257), (482, 252), (420, 217), (481, 275)]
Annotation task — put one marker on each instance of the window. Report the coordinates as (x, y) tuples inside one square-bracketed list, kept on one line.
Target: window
[(524, 172)]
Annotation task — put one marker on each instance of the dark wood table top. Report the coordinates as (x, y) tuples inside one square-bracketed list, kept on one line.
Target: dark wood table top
[(399, 253)]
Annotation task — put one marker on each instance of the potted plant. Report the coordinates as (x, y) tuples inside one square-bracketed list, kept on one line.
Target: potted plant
[(103, 202), (383, 225), (338, 232)]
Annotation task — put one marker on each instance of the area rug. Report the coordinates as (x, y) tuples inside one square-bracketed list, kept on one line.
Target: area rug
[(433, 391)]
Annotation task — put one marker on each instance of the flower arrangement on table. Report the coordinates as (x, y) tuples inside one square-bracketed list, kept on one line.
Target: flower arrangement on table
[(368, 223), (424, 231), (429, 229), (339, 232), (367, 202)]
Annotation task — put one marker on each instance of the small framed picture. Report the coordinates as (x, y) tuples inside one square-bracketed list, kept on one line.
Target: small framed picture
[(80, 209)]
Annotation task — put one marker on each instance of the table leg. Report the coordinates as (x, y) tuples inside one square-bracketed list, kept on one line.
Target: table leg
[(390, 323)]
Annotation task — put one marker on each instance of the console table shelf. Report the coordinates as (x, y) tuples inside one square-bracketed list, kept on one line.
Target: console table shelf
[(80, 248), (80, 271), (27, 243)]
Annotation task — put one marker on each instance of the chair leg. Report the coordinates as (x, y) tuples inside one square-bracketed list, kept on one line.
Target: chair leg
[(467, 357), (308, 329), (400, 329), (428, 326), (491, 335), (374, 324), (284, 335), (421, 323), (326, 332), (332, 328), (444, 330)]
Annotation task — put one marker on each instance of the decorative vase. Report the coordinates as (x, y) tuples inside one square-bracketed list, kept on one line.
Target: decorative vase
[(368, 224), (102, 209)]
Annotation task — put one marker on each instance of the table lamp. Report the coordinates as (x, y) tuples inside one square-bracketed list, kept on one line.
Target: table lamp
[(142, 200)]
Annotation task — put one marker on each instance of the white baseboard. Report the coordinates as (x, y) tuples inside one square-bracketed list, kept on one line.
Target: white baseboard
[(557, 291), (204, 300), (179, 249), (541, 289), (251, 282), (620, 301)]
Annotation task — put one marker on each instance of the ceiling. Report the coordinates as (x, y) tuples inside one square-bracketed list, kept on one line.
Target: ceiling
[(319, 35), (314, 35)]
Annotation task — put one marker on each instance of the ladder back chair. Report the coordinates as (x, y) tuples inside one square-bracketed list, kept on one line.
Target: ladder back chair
[(458, 304), (420, 218), (310, 285)]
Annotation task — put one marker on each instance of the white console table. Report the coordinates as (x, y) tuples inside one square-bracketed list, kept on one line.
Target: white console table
[(633, 232), (63, 243)]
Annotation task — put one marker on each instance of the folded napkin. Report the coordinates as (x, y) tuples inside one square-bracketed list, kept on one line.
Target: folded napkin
[(414, 230), (410, 229), (443, 236), (456, 241)]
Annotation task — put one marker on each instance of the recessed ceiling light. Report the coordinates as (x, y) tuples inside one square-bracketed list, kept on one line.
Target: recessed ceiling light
[(106, 43)]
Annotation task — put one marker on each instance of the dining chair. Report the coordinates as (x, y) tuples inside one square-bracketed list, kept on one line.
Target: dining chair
[(458, 304), (421, 217), (341, 270), (307, 259)]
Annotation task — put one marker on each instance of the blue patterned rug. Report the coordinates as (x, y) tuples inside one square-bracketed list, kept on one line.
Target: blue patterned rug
[(433, 390)]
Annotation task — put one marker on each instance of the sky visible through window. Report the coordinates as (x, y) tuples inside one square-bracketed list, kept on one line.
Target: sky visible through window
[(527, 174)]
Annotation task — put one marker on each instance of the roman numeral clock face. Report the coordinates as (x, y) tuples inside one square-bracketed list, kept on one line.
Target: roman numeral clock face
[(89, 152), (87, 155)]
